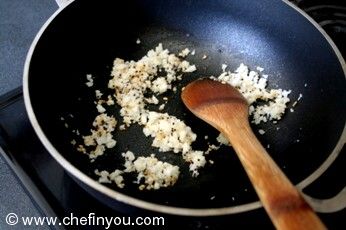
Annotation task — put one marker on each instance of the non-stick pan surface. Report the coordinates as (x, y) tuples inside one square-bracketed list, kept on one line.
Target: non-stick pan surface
[(86, 36)]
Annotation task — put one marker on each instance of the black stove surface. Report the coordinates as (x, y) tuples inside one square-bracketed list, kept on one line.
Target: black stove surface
[(57, 194)]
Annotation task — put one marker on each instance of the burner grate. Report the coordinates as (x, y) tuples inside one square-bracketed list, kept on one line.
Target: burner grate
[(331, 16)]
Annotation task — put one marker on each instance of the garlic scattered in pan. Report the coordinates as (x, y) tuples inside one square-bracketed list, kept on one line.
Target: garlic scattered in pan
[(132, 81), (253, 87), (90, 80), (151, 173), (101, 136)]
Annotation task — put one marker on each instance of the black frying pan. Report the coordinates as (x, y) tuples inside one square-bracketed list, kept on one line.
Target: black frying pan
[(86, 36)]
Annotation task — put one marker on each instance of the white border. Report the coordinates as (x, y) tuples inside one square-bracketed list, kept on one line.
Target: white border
[(148, 205)]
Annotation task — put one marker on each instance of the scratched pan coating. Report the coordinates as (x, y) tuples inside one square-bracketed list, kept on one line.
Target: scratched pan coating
[(85, 37)]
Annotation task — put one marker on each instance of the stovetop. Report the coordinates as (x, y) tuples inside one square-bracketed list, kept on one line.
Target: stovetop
[(57, 194)]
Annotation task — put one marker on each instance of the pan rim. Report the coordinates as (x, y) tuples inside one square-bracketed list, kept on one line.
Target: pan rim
[(120, 197)]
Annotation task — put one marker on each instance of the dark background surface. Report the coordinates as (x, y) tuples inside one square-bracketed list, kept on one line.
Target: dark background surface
[(20, 20)]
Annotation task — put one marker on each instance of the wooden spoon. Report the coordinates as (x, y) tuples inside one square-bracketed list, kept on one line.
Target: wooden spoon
[(223, 107)]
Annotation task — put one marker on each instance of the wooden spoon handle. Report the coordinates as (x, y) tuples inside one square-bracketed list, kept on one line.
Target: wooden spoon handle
[(282, 201)]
